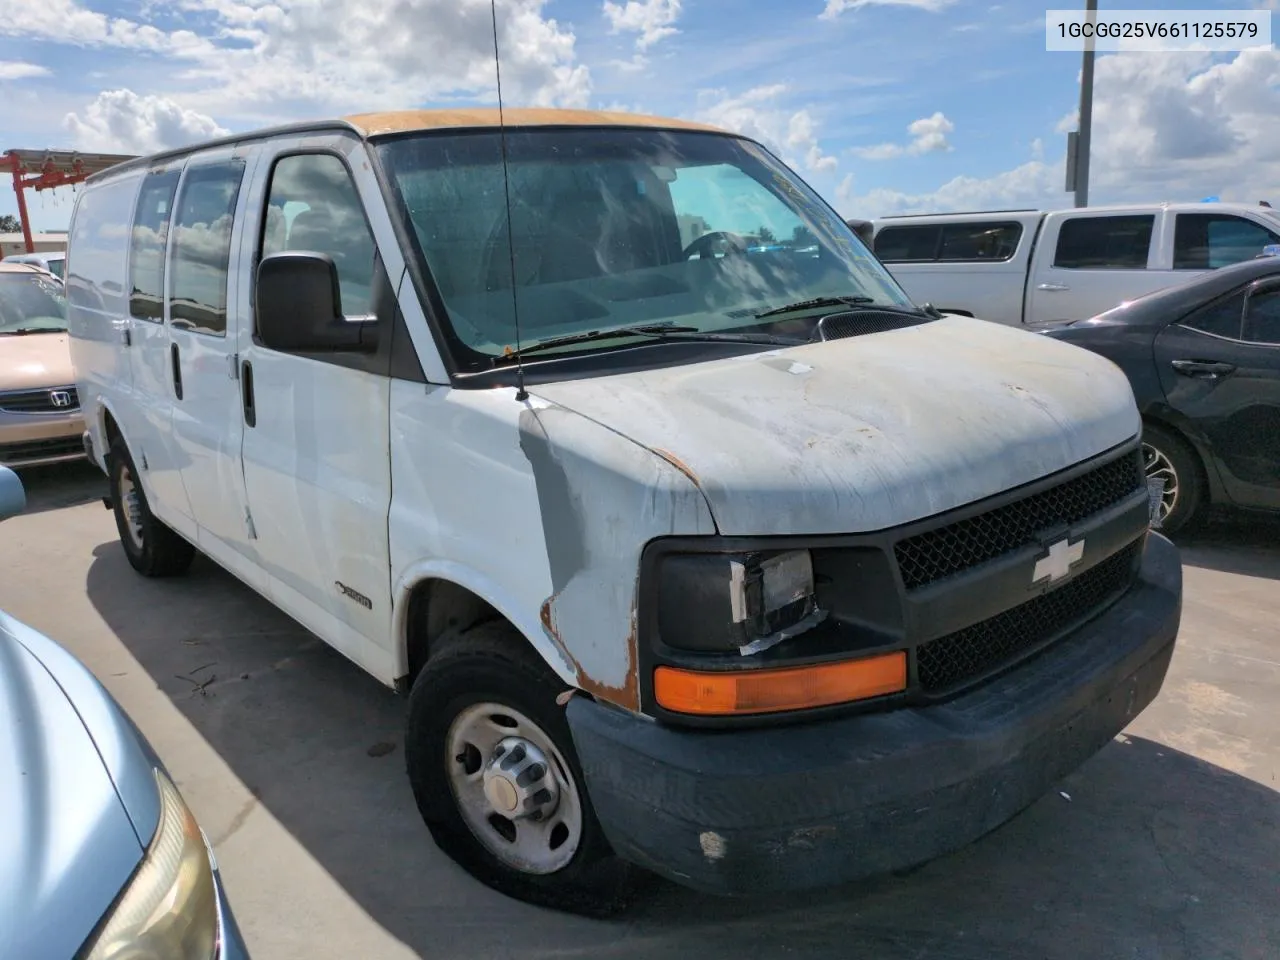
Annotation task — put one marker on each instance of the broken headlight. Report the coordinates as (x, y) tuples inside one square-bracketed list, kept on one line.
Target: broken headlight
[(735, 603)]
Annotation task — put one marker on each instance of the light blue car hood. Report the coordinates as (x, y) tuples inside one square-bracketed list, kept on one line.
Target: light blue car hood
[(70, 838)]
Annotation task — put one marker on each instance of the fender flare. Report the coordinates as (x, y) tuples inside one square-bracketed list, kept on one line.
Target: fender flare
[(487, 589)]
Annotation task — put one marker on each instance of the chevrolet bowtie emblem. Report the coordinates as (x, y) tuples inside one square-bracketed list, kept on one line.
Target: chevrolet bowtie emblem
[(1057, 563)]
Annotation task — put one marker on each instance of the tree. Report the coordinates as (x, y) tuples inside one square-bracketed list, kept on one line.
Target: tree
[(765, 235), (10, 224)]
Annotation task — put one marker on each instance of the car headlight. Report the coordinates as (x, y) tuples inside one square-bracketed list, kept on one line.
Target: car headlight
[(169, 909), (744, 603)]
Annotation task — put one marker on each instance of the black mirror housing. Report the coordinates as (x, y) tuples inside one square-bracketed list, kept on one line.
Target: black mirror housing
[(298, 306)]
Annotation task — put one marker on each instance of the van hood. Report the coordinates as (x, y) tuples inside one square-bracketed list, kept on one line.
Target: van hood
[(862, 434), (35, 360)]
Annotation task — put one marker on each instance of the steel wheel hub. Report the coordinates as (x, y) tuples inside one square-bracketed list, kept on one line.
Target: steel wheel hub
[(513, 789), (132, 504), (518, 781)]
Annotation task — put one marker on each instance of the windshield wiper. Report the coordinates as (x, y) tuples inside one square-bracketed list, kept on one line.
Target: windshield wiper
[(853, 301), (24, 331), (658, 331)]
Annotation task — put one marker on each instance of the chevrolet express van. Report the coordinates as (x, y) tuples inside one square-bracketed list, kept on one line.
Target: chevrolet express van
[(693, 543)]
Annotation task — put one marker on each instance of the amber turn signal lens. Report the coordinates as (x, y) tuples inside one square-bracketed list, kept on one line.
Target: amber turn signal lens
[(730, 693)]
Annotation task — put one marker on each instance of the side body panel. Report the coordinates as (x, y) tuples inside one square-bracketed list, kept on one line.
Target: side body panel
[(541, 512)]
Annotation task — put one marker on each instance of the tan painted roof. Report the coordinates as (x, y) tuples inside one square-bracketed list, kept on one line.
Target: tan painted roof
[(408, 121)]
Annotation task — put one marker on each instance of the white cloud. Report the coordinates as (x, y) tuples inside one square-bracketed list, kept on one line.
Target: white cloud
[(286, 57), (928, 135), (1182, 126), (1033, 184), (758, 113), (121, 121), (1037, 149), (651, 19), (836, 7), (21, 70), (634, 65)]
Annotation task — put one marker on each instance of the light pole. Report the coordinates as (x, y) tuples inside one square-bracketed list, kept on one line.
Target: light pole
[(1078, 140)]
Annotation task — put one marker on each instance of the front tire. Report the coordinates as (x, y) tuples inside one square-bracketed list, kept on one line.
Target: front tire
[(152, 548), (497, 781), (1169, 457)]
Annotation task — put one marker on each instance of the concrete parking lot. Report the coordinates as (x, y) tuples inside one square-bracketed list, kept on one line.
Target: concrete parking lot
[(1166, 845)]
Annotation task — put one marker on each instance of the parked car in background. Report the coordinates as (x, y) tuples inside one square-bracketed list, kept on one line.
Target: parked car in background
[(100, 858), (40, 419), (1203, 358), (55, 263), (1027, 267)]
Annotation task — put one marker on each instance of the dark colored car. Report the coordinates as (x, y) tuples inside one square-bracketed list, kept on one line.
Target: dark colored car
[(1203, 358)]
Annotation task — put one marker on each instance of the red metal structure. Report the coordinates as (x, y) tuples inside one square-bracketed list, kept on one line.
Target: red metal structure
[(48, 169)]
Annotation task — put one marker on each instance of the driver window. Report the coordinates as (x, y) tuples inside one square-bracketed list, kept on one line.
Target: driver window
[(313, 206), (718, 199)]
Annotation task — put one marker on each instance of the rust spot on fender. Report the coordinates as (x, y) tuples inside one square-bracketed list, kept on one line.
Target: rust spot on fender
[(679, 464), (626, 696)]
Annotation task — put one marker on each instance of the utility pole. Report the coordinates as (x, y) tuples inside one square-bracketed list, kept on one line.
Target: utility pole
[(1081, 178)]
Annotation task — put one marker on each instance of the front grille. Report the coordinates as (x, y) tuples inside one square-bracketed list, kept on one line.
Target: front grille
[(18, 453), (978, 650), (935, 554), (857, 323), (39, 401)]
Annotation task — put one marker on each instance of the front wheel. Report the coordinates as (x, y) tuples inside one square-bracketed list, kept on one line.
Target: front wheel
[(152, 548), (495, 776)]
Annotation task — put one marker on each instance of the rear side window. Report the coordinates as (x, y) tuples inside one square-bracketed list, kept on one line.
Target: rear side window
[(313, 205), (907, 244), (98, 243), (1221, 318), (202, 247), (980, 241), (1262, 318), (1105, 243), (1206, 241), (146, 249)]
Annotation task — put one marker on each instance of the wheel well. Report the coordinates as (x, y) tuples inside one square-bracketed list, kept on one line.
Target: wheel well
[(111, 431), (438, 608)]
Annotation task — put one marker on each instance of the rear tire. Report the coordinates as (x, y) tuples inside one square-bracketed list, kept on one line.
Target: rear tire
[(1167, 455), (482, 698), (152, 548)]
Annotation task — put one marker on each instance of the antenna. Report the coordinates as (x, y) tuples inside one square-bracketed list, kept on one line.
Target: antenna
[(521, 394)]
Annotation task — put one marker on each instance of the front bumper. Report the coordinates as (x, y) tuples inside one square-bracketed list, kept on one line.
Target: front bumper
[(802, 806), (36, 439), (230, 942)]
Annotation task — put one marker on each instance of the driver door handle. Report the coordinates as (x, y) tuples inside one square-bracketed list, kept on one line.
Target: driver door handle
[(1053, 287), (1203, 369)]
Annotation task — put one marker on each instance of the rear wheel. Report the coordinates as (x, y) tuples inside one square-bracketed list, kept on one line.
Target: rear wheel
[(152, 548), (493, 769), (1167, 457)]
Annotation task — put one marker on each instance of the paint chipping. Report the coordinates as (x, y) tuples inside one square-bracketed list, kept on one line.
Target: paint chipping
[(713, 845), (679, 464), (626, 696), (798, 368)]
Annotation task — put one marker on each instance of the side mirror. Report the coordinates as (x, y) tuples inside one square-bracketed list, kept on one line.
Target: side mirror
[(299, 306), (13, 499)]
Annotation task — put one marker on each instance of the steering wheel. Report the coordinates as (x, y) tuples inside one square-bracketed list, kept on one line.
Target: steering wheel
[(704, 246)]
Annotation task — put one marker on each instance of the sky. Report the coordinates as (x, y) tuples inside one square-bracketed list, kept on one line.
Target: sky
[(883, 106)]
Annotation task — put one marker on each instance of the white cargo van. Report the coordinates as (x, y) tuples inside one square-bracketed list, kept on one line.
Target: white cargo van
[(692, 542), (1027, 267)]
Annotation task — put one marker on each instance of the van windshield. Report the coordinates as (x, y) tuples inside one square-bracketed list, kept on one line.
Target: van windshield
[(621, 227), (31, 303)]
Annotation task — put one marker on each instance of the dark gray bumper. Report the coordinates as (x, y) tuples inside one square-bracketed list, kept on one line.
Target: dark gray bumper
[(795, 807)]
